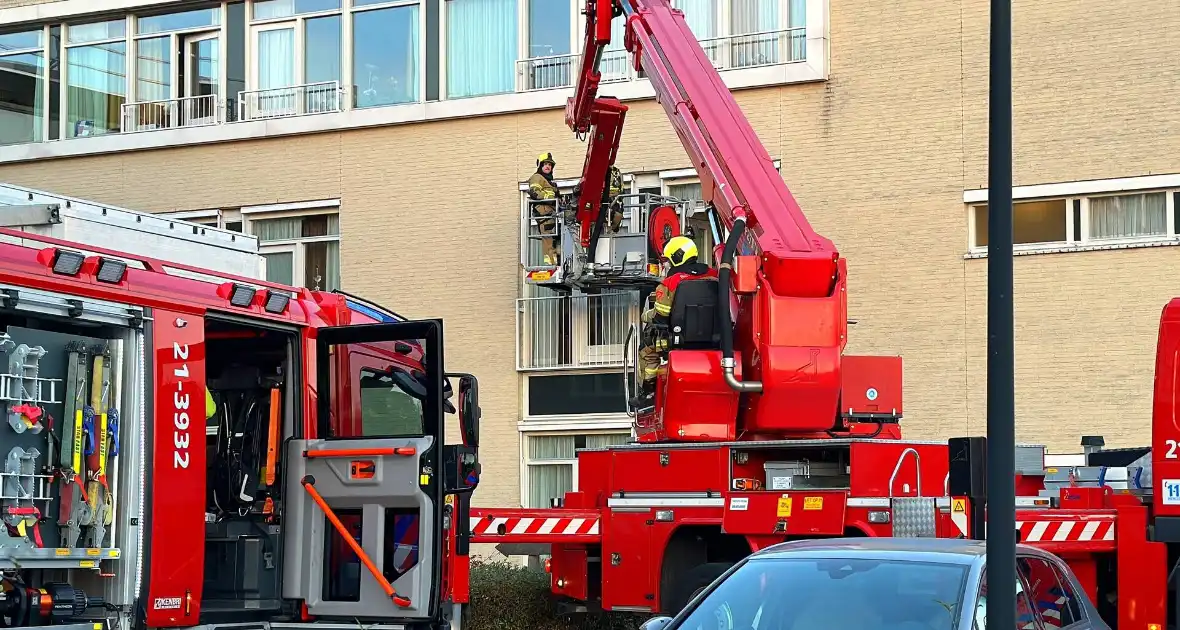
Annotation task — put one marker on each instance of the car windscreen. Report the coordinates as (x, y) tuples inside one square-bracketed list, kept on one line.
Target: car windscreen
[(834, 594)]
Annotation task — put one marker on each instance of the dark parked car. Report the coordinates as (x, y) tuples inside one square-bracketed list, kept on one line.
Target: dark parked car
[(881, 584)]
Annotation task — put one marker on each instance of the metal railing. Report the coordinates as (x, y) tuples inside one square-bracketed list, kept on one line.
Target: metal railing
[(749, 50), (753, 50), (187, 111), (574, 331), (292, 100)]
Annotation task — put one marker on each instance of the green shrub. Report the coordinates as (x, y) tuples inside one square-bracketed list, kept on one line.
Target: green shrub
[(506, 596)]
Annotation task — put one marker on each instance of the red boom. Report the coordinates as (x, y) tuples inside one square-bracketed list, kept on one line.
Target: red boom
[(792, 316)]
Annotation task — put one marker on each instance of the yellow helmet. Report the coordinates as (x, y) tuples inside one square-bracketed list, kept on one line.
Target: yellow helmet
[(679, 250), (546, 157)]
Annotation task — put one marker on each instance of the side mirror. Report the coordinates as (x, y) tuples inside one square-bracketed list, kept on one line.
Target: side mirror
[(656, 623), (469, 411), (461, 467)]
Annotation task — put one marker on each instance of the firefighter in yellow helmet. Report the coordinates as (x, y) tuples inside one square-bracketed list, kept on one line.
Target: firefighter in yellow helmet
[(543, 193), (681, 254)]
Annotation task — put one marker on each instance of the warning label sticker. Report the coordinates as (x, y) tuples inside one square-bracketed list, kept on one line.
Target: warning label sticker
[(958, 505), (784, 507), (813, 503)]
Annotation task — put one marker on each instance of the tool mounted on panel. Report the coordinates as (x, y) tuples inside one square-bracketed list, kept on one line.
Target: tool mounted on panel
[(96, 426), (73, 504)]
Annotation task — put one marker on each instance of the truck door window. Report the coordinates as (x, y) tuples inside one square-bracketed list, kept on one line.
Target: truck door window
[(1053, 597), (386, 408)]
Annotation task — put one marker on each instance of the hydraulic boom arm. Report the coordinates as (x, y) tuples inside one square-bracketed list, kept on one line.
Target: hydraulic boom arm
[(792, 316)]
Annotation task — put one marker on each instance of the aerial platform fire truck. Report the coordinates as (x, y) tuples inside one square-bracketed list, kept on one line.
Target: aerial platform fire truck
[(194, 446), (763, 430)]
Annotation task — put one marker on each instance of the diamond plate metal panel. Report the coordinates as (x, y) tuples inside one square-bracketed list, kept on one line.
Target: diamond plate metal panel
[(1030, 458), (914, 517)]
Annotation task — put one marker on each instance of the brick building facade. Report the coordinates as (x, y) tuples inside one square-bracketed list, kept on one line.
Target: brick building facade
[(881, 129)]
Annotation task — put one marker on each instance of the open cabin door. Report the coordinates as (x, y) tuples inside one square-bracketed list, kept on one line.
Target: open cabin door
[(365, 497)]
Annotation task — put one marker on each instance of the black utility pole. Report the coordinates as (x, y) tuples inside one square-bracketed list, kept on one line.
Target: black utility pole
[(1001, 403)]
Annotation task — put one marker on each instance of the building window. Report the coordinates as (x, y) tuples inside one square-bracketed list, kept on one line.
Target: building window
[(298, 53), (747, 33), (481, 38), (565, 395), (551, 463), (385, 47), (96, 77), (1085, 220), (177, 71), (563, 331), (300, 250), (230, 220), (22, 87), (548, 45)]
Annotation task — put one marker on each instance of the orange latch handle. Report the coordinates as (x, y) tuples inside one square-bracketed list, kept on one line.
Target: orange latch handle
[(272, 441), (308, 484), (361, 452)]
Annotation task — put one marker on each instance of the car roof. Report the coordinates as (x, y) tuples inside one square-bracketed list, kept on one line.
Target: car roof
[(946, 550)]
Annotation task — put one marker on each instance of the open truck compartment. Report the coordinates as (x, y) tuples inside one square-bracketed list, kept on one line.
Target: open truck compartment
[(69, 488), (184, 444), (246, 415)]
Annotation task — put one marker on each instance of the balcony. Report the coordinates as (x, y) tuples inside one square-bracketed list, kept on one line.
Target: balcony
[(189, 111), (294, 100), (751, 50), (575, 331), (779, 57)]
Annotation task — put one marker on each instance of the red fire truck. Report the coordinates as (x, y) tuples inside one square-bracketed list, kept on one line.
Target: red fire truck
[(194, 446), (762, 430)]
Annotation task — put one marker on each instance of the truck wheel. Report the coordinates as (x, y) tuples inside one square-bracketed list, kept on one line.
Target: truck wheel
[(692, 582)]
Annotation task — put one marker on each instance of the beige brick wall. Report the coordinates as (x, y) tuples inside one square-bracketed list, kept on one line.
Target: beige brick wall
[(878, 156)]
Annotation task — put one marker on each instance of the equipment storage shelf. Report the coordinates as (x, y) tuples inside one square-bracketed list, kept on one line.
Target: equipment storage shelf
[(59, 393)]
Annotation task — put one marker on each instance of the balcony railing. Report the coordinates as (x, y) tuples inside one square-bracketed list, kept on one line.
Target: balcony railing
[(294, 100), (574, 331), (540, 73), (189, 111), (733, 52)]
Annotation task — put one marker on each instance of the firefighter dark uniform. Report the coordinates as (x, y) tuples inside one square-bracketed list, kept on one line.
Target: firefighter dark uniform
[(614, 187), (681, 252), (542, 190)]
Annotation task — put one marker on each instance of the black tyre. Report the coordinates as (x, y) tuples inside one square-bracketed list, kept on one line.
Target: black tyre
[(691, 582)]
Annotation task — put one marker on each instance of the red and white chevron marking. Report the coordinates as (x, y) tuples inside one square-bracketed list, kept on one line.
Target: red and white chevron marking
[(534, 526), (1066, 531)]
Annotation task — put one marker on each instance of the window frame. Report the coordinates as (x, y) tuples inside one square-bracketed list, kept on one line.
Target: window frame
[(1077, 224), (176, 38), (556, 422), (348, 44), (129, 78), (297, 246), (527, 463), (45, 81)]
